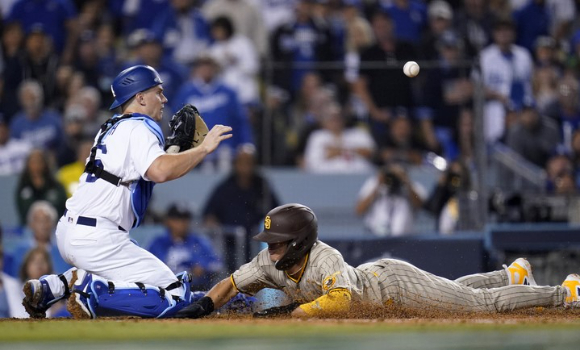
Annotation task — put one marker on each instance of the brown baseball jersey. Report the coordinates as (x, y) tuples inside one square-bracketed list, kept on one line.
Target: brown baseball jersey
[(392, 280), (325, 270)]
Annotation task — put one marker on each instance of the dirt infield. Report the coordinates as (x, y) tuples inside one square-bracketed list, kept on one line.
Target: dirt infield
[(538, 328), (386, 316), (395, 314), (531, 315)]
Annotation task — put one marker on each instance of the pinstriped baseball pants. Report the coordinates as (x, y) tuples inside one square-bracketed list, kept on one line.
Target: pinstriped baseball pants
[(412, 287)]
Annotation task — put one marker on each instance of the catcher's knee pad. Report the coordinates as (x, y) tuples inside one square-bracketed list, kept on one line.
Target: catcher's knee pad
[(99, 297)]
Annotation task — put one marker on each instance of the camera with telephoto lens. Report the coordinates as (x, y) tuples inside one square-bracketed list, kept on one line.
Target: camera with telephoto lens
[(392, 181), (454, 182)]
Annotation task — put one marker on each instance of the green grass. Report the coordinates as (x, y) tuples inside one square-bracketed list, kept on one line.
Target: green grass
[(99, 330), (250, 334)]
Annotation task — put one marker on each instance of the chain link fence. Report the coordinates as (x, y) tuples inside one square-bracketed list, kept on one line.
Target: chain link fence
[(338, 77)]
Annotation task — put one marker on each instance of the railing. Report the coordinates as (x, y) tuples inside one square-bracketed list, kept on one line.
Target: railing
[(520, 170)]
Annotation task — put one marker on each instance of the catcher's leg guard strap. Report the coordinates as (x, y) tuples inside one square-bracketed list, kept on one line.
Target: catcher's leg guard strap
[(66, 287)]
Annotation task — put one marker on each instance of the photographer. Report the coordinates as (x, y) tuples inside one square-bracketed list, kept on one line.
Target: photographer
[(388, 201), (443, 201)]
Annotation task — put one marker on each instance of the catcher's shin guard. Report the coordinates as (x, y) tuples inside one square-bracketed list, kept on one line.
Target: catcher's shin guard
[(96, 297)]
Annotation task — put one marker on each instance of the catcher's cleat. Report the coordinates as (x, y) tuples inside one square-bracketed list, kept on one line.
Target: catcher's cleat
[(78, 303), (520, 272), (37, 298), (572, 286)]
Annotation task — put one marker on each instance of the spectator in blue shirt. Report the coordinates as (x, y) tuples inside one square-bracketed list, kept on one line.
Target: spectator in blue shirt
[(329, 14), (13, 153), (410, 17), (41, 127), (140, 14), (149, 52), (182, 250), (218, 104), (57, 17), (301, 42), (41, 223), (10, 293), (116, 9), (532, 21), (183, 30)]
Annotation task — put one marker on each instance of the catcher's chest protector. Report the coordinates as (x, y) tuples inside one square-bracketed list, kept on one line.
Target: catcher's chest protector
[(141, 190)]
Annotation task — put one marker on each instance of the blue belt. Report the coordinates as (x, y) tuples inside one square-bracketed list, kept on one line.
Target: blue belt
[(86, 221)]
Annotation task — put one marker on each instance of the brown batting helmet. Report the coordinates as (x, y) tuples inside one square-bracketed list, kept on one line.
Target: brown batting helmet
[(294, 223)]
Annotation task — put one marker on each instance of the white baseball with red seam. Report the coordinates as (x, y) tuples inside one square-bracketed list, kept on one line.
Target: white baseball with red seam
[(411, 69)]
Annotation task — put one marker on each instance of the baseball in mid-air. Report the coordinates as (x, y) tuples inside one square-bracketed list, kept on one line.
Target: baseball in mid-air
[(411, 69)]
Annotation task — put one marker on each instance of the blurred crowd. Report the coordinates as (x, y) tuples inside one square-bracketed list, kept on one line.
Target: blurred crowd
[(311, 84)]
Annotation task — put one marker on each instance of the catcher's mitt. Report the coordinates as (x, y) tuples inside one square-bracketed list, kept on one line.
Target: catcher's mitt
[(188, 130), (200, 308)]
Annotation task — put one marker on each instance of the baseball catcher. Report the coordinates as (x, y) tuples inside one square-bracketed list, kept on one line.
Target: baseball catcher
[(320, 283), (112, 276), (188, 130)]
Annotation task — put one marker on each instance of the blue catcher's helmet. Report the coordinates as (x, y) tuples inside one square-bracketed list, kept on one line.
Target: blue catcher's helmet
[(132, 81)]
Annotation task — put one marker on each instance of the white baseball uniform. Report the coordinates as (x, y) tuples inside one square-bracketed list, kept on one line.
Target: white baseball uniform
[(499, 73), (93, 234), (393, 280)]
